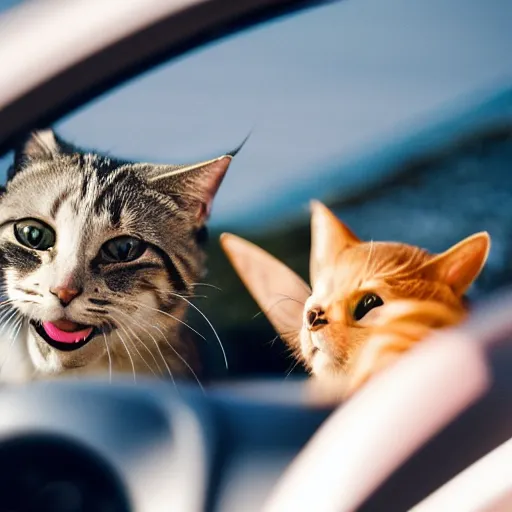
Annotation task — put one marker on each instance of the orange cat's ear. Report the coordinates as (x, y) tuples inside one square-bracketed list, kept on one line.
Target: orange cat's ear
[(460, 265), (279, 291), (329, 237)]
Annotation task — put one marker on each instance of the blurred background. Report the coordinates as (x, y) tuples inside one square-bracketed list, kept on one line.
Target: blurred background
[(397, 114)]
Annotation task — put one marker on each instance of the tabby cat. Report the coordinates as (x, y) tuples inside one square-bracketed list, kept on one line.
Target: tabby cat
[(370, 301), (99, 258)]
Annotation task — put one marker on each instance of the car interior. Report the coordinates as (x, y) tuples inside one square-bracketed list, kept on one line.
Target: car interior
[(397, 116)]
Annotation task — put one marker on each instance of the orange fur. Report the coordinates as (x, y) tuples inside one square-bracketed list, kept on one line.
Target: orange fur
[(401, 326), (420, 292), (416, 292)]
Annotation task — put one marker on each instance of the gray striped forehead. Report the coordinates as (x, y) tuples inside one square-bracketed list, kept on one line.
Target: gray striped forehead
[(101, 193)]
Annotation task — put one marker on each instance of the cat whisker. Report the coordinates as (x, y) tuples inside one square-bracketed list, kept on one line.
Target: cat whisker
[(109, 359), (291, 369), (156, 310), (292, 299), (15, 331), (291, 341), (182, 359), (129, 355), (6, 308), (129, 319), (273, 340), (209, 323), (133, 344), (5, 314), (209, 285), (284, 297), (13, 313), (163, 358), (294, 332), (17, 321)]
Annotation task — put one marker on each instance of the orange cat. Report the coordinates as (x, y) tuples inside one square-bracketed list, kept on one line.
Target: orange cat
[(370, 301)]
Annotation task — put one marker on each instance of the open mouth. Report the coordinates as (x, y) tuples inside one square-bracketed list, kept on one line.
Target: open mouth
[(65, 335)]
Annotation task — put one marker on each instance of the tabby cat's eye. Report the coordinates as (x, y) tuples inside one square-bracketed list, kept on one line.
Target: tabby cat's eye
[(34, 234), (366, 304), (123, 249)]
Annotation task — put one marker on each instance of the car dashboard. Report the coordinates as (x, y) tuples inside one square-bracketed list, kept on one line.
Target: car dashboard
[(91, 445)]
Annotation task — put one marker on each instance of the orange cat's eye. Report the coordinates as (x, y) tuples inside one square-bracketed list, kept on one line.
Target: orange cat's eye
[(366, 304)]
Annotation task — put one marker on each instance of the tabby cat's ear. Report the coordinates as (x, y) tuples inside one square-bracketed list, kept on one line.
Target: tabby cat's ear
[(278, 290), (40, 145), (329, 237), (460, 265), (195, 185)]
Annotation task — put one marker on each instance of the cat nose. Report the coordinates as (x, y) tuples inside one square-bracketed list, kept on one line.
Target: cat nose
[(315, 318), (66, 293)]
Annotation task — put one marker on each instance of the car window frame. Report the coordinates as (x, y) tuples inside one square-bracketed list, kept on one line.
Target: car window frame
[(178, 32)]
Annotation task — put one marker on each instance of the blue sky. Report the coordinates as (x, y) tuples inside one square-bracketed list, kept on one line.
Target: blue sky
[(322, 85)]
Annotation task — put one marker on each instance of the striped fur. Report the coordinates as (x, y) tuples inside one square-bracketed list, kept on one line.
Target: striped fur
[(89, 199)]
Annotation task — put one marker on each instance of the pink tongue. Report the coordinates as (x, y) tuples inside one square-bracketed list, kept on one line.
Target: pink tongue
[(63, 336)]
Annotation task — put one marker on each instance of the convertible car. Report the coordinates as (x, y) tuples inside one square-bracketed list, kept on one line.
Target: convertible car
[(431, 434)]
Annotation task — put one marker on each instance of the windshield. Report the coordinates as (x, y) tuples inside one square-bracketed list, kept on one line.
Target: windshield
[(397, 114)]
